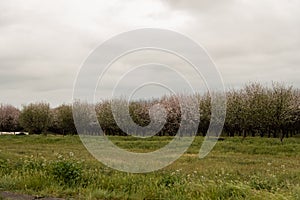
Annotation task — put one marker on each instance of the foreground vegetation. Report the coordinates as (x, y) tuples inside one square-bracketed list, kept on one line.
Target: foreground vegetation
[(251, 168)]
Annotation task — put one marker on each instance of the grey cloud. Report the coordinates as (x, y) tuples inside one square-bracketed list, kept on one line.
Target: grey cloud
[(248, 40), (198, 6), (43, 43)]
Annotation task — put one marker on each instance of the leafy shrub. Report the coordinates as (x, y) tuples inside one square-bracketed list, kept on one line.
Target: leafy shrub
[(4, 166), (169, 180), (33, 165), (66, 172)]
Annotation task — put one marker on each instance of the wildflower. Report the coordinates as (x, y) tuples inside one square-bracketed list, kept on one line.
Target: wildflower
[(178, 170)]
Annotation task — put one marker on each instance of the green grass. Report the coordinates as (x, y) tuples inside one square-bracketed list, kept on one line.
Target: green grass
[(254, 168)]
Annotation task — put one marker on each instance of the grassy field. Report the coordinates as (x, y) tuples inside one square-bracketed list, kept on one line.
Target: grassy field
[(254, 168)]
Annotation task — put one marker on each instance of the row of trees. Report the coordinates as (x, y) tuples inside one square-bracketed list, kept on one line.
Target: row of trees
[(254, 110), (37, 118), (257, 110)]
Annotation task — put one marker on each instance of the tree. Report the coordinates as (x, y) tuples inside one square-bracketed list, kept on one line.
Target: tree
[(173, 111), (35, 117), (9, 118), (106, 118), (85, 117), (257, 108), (235, 120), (282, 108), (294, 126), (63, 119), (205, 113)]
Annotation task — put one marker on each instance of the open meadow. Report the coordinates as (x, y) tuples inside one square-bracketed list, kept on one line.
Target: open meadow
[(57, 166)]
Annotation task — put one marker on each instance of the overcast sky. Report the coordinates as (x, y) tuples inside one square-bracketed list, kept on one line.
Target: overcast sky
[(44, 43)]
